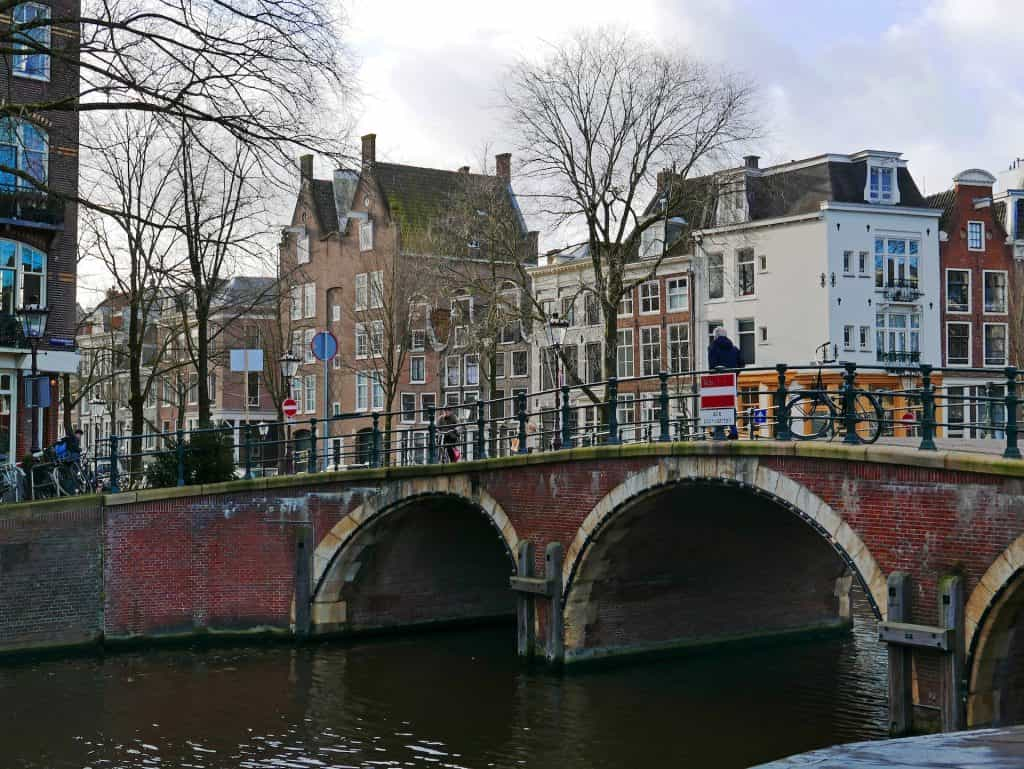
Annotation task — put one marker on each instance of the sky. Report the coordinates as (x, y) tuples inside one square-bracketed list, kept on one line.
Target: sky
[(940, 81)]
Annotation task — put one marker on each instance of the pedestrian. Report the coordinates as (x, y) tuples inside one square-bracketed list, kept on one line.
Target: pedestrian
[(449, 427), (722, 353)]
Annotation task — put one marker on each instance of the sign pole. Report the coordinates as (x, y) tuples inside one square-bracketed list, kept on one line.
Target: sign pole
[(327, 415), (245, 397)]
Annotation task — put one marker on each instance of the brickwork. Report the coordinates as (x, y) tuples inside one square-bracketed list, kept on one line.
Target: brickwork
[(50, 575)]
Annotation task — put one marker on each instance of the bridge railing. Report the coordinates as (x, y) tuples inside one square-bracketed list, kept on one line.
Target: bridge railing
[(976, 409)]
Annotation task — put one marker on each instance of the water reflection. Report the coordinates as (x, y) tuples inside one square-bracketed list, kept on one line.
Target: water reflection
[(449, 700)]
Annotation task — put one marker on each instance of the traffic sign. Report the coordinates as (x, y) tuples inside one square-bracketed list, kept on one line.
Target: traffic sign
[(718, 400), (760, 416), (324, 345), (289, 407)]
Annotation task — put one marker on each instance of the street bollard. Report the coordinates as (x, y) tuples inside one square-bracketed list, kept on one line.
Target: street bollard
[(1012, 450), (927, 409), (663, 402), (849, 403)]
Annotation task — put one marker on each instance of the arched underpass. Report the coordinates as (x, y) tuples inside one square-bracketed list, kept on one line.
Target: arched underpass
[(694, 563), (428, 560), (996, 694)]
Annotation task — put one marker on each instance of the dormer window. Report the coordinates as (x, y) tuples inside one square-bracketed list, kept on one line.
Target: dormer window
[(366, 235), (882, 185)]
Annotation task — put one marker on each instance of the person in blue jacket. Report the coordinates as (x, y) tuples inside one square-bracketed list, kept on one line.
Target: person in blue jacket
[(722, 353)]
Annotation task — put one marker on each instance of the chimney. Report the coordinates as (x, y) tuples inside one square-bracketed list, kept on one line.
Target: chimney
[(503, 166), (750, 162), (463, 169), (663, 178), (369, 149), (306, 167)]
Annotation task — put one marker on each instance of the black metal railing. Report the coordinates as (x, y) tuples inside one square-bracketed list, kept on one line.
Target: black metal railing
[(844, 402), (31, 206), (902, 290)]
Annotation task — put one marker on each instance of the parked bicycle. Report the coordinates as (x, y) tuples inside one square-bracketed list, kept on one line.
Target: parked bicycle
[(818, 413), (12, 484)]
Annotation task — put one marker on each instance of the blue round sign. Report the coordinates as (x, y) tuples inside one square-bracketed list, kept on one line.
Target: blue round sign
[(324, 345)]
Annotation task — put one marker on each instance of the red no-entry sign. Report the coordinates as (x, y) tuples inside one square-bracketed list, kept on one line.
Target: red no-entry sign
[(717, 399), (290, 407)]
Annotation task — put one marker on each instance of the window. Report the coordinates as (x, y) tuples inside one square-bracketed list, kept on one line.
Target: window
[(295, 311), (958, 290), (624, 353), (377, 337), (453, 373), (762, 263), (676, 293), (995, 344), (847, 337), (897, 334), (745, 336), (716, 276), (520, 363), (626, 303), (367, 388), (568, 313), (362, 291), (497, 404), (362, 341), (336, 361), (302, 248), (472, 364), (22, 276), (193, 389), (309, 405), (593, 362), (309, 299), (376, 288), (896, 262), (880, 188), (958, 344), (365, 235), (499, 366), (745, 272), (335, 313), (847, 262), (417, 369), (995, 291), (307, 346), (650, 350), (548, 363), (591, 309), (975, 236), (428, 402), (408, 407), (712, 325), (862, 262), (678, 348), (762, 334), (865, 337), (650, 297), (30, 46), (460, 336), (336, 410), (24, 146)]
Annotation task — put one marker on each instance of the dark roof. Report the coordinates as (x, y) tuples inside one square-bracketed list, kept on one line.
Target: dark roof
[(246, 291), (944, 202), (322, 192)]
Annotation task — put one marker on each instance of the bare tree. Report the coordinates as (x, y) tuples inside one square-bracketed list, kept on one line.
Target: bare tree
[(596, 119)]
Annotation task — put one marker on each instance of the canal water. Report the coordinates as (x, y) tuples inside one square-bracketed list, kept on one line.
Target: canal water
[(445, 699)]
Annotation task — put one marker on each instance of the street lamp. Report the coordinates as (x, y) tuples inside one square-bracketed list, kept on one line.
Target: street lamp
[(33, 326), (289, 366), (556, 333)]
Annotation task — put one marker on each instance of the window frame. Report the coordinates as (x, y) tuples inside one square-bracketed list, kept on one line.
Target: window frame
[(302, 251), (651, 301), (984, 345), (412, 369), (624, 302), (949, 309), (1006, 292), (23, 72), (361, 285), (743, 262), (366, 235), (620, 359), (675, 345), (20, 254), (650, 351), (672, 291), (309, 393), (526, 361), (970, 341), (402, 410), (980, 227), (720, 270)]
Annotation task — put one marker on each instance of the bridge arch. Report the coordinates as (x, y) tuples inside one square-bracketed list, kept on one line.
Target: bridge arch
[(461, 532), (740, 474), (994, 616)]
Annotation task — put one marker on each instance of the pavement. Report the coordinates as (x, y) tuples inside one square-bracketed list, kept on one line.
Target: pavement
[(978, 749)]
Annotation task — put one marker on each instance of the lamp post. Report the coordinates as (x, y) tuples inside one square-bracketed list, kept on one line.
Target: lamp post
[(33, 326), (556, 332), (264, 429), (289, 366)]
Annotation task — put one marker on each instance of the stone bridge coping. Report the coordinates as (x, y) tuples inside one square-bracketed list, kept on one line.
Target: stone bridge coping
[(970, 462)]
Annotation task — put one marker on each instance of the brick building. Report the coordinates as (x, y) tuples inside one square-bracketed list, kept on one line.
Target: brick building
[(977, 269), (362, 260), (38, 219)]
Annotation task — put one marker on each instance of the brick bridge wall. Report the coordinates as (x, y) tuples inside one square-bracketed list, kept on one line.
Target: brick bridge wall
[(224, 558)]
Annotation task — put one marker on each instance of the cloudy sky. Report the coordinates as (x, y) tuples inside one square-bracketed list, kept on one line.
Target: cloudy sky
[(936, 80)]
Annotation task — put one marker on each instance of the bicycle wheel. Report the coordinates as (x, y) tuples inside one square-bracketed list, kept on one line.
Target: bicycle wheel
[(869, 416), (811, 415)]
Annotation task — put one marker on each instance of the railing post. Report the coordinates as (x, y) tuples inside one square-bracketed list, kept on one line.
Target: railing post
[(375, 456), (781, 417), (431, 437), (663, 402), (1012, 451), (566, 427), (521, 409), (179, 450), (927, 409), (849, 401), (115, 481), (613, 410), (248, 453), (311, 457), (481, 425)]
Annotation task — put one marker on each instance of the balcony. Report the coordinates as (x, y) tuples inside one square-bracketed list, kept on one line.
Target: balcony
[(900, 360), (31, 208), (902, 291)]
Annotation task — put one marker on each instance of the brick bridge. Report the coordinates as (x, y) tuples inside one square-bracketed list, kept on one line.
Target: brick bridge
[(607, 550)]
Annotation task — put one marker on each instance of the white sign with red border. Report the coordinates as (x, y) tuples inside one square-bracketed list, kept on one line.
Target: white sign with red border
[(718, 400)]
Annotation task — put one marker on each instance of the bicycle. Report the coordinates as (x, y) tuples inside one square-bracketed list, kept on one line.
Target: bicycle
[(12, 484), (816, 413)]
